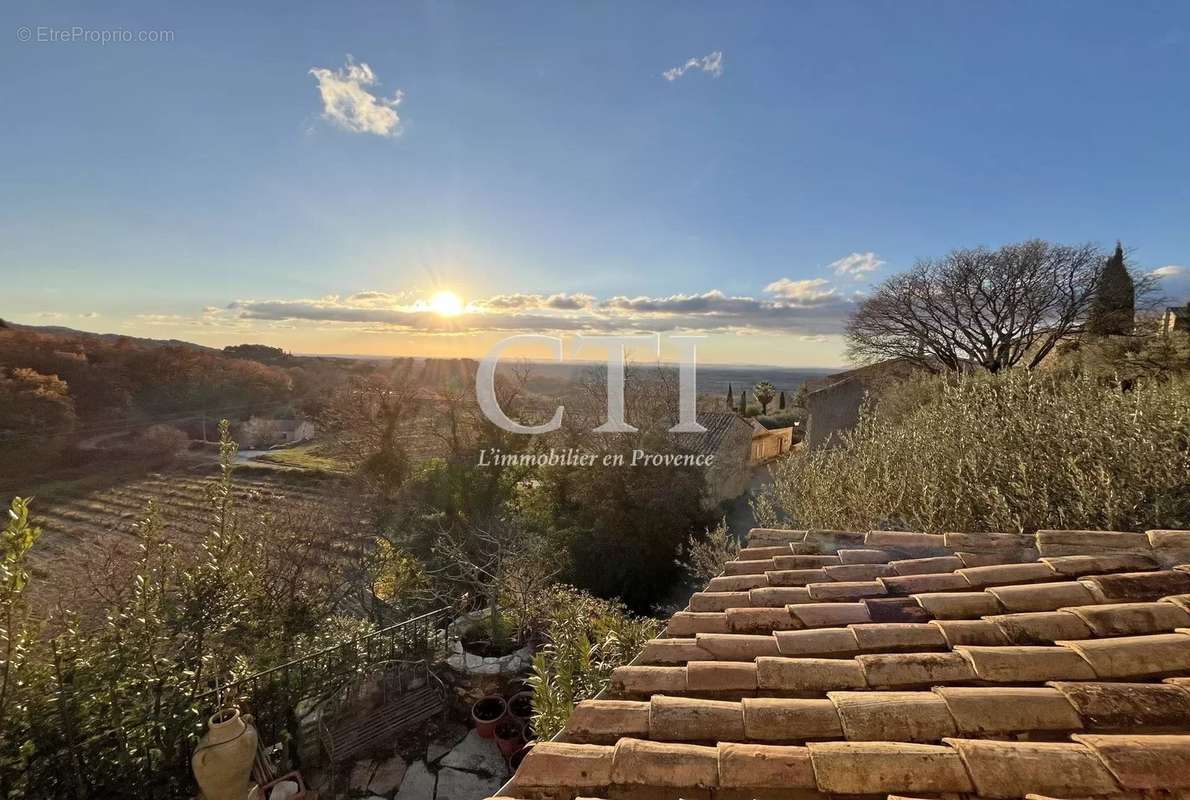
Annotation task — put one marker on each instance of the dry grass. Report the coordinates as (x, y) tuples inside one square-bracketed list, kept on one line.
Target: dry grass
[(1016, 451)]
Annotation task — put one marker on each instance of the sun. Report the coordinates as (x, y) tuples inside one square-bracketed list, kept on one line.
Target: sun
[(446, 304)]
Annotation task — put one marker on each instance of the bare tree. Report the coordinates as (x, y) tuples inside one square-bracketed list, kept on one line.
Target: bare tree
[(990, 308)]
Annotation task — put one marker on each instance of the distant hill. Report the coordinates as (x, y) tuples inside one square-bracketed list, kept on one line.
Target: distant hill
[(110, 338)]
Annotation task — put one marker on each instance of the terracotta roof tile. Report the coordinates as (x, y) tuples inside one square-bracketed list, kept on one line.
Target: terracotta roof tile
[(778, 596), (1135, 656), (1137, 586), (1005, 574), (882, 767), (1077, 566), (1127, 706), (1023, 664), (1013, 769), (688, 623), (1143, 762), (1063, 543), (808, 675), (926, 566), (758, 567), (988, 711), (721, 676), (822, 642), (834, 540), (896, 610), (760, 620), (917, 584), (649, 680), (763, 553), (795, 577), (906, 670), (846, 590), (605, 721), (1131, 619), (788, 561), (971, 632), (757, 766), (858, 572), (718, 601), (675, 651), (959, 605), (769, 536), (736, 583), (987, 542), (893, 716), (863, 555), (736, 647), (1042, 596), (1040, 627), (829, 615), (642, 763), (773, 719), (907, 542), (568, 765), (896, 638), (686, 719), (978, 637)]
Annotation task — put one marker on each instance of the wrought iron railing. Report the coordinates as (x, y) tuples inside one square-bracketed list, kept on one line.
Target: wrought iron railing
[(272, 695)]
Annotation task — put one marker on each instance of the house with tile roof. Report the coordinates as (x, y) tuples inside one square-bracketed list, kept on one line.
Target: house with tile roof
[(768, 443), (728, 439), (898, 664)]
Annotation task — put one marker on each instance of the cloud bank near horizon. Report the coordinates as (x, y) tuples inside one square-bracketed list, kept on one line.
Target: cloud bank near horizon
[(806, 308)]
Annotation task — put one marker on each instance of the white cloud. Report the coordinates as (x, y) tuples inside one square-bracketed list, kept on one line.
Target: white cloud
[(712, 64), (857, 265), (810, 291), (1168, 271), (347, 103), (803, 307)]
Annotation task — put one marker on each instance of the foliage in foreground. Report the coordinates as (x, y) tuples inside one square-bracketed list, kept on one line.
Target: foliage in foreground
[(705, 555), (112, 708), (586, 638), (1018, 451)]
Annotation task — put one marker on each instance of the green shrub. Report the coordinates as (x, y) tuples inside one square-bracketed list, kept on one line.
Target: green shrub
[(586, 638), (112, 707), (1017, 451)]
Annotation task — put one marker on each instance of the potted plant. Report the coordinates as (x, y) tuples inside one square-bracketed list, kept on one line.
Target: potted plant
[(508, 736), (486, 712), (516, 758), (520, 705)]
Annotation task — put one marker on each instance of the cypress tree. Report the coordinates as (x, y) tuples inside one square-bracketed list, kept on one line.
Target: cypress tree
[(1113, 309), (730, 400), (781, 401), (743, 401)]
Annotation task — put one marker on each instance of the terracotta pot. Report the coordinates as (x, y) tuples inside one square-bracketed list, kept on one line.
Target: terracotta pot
[(516, 758), (486, 712), (520, 705), (222, 762), (508, 736)]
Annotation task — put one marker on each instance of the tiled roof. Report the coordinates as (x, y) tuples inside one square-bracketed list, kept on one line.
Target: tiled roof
[(718, 425), (903, 664)]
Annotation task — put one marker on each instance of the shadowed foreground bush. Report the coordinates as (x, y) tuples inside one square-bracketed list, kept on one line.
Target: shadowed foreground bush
[(1016, 451)]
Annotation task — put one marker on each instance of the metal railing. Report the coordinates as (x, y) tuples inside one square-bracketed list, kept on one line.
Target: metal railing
[(272, 695)]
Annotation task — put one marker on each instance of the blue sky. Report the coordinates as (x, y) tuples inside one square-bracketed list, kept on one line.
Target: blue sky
[(540, 166)]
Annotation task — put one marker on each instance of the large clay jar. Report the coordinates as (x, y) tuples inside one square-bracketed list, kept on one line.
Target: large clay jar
[(222, 763)]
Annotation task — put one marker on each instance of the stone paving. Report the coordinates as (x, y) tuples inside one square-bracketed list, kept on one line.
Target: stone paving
[(459, 765)]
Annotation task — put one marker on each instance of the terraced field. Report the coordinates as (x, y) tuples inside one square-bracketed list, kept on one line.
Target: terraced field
[(81, 533)]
